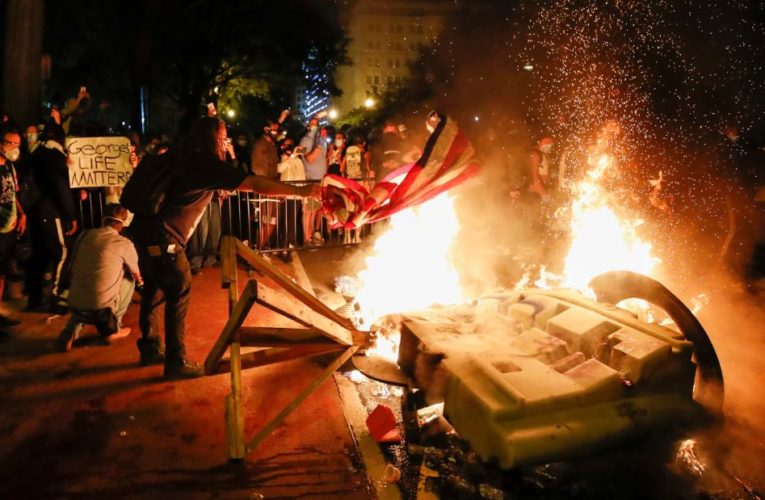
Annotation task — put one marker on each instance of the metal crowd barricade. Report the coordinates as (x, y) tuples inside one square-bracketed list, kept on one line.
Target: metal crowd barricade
[(245, 215)]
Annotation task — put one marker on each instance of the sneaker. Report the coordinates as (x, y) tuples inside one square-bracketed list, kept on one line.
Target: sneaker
[(119, 334), (183, 369), (6, 322), (317, 238)]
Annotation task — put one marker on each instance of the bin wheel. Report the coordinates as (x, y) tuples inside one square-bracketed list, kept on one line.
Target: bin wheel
[(615, 286)]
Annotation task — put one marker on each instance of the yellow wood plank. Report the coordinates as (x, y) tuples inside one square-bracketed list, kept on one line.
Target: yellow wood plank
[(287, 306), (265, 268), (238, 316), (273, 355)]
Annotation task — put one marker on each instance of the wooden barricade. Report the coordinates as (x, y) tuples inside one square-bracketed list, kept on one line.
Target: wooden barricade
[(324, 331)]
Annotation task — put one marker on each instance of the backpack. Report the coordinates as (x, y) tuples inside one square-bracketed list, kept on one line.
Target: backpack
[(145, 191)]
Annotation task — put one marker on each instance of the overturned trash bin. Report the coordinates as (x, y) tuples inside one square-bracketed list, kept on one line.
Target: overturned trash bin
[(537, 376)]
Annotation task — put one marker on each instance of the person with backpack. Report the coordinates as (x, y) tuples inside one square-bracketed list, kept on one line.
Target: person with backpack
[(168, 199)]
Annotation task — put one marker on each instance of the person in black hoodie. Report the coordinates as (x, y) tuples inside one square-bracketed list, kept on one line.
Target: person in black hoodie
[(52, 217)]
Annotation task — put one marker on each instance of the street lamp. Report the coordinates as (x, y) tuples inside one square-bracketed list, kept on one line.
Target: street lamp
[(231, 113), (369, 103), (332, 114)]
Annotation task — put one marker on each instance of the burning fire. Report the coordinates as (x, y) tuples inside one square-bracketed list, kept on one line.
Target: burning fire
[(601, 240), (410, 267)]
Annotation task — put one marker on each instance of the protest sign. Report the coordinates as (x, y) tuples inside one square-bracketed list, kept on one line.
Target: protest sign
[(98, 161)]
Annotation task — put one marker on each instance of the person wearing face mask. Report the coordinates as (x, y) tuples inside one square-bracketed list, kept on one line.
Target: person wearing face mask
[(32, 134), (264, 162), (102, 275), (335, 153), (12, 217), (52, 217), (315, 162), (242, 151)]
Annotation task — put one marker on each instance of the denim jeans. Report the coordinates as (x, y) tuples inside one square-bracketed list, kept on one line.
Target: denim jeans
[(74, 325)]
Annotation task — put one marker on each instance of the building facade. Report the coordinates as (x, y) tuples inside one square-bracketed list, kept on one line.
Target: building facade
[(385, 36), (313, 95)]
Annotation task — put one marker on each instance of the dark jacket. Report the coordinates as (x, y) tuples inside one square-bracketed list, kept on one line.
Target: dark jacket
[(51, 177)]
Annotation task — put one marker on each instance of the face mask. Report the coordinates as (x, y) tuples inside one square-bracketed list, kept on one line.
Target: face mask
[(273, 132), (338, 142), (32, 138), (13, 154), (546, 148)]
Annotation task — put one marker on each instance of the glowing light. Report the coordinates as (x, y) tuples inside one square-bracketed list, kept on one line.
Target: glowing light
[(601, 239), (231, 113), (686, 455), (410, 268), (476, 118), (332, 114), (528, 66), (369, 103)]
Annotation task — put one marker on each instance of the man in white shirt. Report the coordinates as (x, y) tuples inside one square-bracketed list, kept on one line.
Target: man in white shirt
[(103, 273)]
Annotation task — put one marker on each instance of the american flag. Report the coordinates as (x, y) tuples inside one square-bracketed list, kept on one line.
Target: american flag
[(448, 160)]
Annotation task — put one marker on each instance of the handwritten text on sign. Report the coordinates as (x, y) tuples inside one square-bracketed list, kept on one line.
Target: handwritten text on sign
[(98, 161)]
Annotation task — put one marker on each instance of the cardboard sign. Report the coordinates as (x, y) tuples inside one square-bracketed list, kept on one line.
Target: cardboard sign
[(98, 161)]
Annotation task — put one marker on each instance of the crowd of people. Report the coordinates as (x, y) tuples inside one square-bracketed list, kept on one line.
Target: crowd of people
[(47, 254), (93, 270)]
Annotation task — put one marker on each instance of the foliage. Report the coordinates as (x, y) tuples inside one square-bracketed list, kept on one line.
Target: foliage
[(184, 49)]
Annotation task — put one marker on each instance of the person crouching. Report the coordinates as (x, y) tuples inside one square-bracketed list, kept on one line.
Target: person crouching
[(102, 275)]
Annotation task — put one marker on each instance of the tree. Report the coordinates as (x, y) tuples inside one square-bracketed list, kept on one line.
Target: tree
[(185, 50), (22, 59)]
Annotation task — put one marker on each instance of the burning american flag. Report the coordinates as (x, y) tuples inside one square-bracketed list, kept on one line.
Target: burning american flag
[(448, 160)]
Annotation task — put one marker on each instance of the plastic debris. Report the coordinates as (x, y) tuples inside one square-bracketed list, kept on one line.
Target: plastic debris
[(392, 473), (382, 425), (347, 285)]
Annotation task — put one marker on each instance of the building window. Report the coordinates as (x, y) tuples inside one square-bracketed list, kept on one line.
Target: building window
[(369, 80), (377, 79)]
